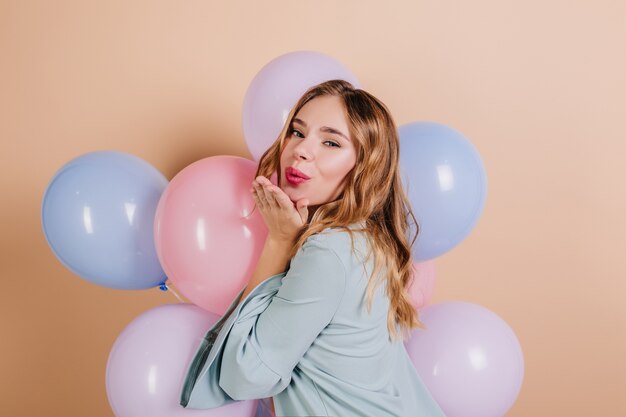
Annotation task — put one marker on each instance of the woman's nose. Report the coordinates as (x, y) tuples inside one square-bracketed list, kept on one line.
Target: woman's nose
[(304, 149)]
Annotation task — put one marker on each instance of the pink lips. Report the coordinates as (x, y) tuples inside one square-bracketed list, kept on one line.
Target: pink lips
[(295, 176)]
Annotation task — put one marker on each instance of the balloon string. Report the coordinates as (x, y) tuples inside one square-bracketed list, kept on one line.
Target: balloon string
[(164, 287)]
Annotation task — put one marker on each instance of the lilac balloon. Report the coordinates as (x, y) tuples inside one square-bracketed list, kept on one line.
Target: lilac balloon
[(149, 360), (469, 358), (277, 87)]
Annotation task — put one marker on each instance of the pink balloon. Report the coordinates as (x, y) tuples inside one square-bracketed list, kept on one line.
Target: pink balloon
[(206, 245), (421, 288), (148, 363), (277, 87), (469, 358)]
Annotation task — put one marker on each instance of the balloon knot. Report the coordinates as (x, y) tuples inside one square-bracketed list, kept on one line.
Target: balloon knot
[(163, 286)]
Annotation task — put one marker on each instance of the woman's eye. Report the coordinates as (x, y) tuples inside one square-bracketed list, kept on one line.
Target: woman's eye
[(299, 134)]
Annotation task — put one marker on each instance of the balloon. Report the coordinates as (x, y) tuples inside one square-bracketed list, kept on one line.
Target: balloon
[(277, 87), (446, 183), (205, 242), (149, 360), (97, 215), (421, 288), (469, 358)]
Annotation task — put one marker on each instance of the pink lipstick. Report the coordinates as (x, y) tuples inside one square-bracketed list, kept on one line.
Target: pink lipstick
[(295, 176)]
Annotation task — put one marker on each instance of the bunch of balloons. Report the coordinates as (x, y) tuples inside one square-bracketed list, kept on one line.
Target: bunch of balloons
[(114, 220)]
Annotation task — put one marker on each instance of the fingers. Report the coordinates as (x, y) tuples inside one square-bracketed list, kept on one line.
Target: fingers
[(255, 194), (263, 193), (282, 200), (275, 205), (268, 193)]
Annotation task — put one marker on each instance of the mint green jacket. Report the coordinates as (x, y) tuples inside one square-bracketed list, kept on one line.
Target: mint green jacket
[(305, 338)]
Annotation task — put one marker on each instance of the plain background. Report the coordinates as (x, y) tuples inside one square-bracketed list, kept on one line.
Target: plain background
[(539, 87)]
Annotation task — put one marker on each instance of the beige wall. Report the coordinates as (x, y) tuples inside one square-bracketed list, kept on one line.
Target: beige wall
[(538, 86)]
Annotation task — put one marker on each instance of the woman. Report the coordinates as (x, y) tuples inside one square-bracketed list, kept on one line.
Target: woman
[(323, 334)]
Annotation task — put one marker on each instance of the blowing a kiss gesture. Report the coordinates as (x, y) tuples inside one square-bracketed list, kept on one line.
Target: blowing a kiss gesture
[(283, 218)]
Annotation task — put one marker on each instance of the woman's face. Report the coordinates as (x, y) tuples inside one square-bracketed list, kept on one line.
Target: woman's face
[(319, 145)]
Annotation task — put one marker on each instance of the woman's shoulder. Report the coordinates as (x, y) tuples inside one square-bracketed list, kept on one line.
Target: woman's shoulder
[(340, 240), (334, 233)]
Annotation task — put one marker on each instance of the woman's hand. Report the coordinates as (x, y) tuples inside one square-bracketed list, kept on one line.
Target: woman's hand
[(283, 218)]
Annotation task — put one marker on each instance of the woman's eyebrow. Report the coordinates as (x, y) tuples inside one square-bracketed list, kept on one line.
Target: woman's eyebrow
[(323, 128)]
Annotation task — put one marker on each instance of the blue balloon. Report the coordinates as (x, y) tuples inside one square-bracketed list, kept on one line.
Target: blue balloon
[(445, 181), (98, 215)]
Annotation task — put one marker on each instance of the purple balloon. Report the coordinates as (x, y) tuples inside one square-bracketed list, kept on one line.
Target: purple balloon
[(149, 361), (469, 358), (277, 87)]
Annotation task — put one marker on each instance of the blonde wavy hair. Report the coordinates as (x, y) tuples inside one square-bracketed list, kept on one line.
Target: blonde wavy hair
[(372, 193)]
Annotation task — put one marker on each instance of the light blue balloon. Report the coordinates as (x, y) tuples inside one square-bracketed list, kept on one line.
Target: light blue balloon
[(446, 183), (98, 214)]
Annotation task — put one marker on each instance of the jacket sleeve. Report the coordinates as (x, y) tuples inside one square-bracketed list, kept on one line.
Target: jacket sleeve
[(265, 337)]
